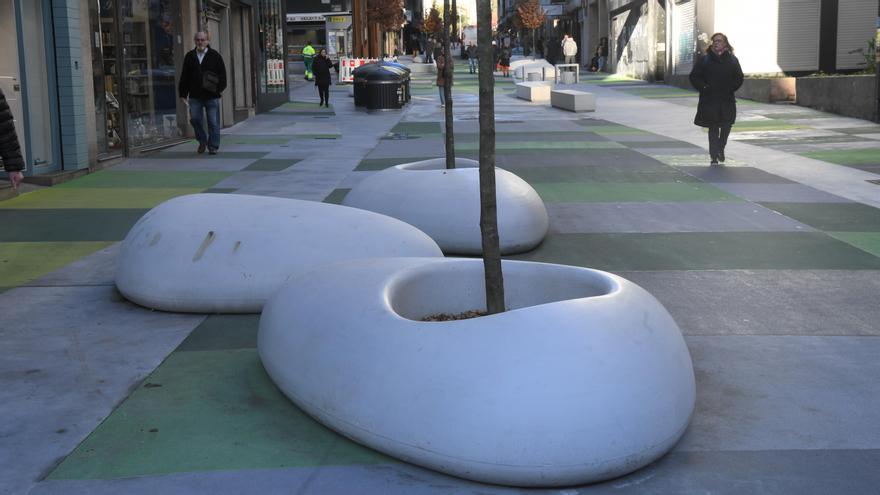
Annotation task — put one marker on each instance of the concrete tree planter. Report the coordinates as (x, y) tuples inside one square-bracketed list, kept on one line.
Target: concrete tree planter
[(585, 378), (445, 204), (768, 89), (226, 253)]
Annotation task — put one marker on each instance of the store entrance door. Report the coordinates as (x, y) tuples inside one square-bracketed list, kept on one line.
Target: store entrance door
[(26, 78)]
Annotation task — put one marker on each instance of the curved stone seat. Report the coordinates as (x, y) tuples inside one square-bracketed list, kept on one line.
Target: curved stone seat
[(585, 378), (445, 204), (226, 253)]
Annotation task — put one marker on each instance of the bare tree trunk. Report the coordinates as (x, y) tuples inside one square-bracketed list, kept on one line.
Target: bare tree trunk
[(488, 203), (447, 88)]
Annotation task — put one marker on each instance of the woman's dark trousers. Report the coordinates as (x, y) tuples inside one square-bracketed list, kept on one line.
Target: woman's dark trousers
[(324, 92), (718, 140)]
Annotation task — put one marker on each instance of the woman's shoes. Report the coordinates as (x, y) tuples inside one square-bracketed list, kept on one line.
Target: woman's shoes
[(721, 156)]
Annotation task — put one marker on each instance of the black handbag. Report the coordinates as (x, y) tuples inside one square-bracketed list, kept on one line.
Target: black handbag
[(210, 81)]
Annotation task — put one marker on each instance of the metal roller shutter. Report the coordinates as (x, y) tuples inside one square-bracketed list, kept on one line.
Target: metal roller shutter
[(798, 38), (855, 28)]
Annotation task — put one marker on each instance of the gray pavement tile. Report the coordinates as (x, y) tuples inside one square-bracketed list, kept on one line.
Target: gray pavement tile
[(733, 174), (98, 268), (212, 164), (573, 218), (621, 158), (777, 472), (781, 193), (784, 392), (768, 302), (665, 150), (65, 369)]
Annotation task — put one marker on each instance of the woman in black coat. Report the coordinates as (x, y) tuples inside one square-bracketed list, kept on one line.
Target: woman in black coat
[(321, 69), (10, 151), (717, 75)]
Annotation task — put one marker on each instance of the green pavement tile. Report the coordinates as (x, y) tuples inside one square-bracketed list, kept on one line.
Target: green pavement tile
[(659, 92), (685, 147), (178, 155), (851, 157), (336, 196), (543, 145), (866, 241), (789, 140), (21, 262), (547, 137), (703, 251), (271, 164), (268, 139), (593, 78), (564, 174), (220, 190), (765, 125), (146, 179), (614, 130), (419, 128), (857, 130), (566, 192), (99, 198), (303, 105), (372, 164), (90, 224), (837, 217), (208, 411), (223, 332)]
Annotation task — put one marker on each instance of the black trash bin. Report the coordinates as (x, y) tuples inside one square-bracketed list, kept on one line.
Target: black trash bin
[(387, 87), (360, 83), (407, 77)]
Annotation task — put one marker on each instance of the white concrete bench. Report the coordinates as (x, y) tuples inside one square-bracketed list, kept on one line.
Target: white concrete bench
[(575, 101), (533, 91)]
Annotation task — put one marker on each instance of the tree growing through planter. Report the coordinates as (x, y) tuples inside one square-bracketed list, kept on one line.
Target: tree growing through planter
[(448, 19), (488, 203), (530, 15)]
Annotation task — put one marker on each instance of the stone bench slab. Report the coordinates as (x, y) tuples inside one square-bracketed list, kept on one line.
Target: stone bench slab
[(533, 91), (573, 100)]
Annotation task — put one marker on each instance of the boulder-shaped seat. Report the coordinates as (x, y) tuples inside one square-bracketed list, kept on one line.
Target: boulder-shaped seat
[(586, 377), (226, 253), (445, 204)]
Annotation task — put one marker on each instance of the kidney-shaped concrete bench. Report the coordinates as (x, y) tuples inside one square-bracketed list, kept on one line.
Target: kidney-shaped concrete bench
[(445, 204), (226, 253), (586, 377)]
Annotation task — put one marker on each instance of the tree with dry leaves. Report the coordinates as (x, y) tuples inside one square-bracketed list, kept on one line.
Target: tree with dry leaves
[(530, 15), (433, 24), (388, 14)]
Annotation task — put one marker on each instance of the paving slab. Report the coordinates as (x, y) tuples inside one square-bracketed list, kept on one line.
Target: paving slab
[(67, 369), (768, 302), (572, 218), (779, 193)]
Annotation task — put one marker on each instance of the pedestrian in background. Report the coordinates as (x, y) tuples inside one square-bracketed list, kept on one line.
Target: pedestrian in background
[(569, 49), (429, 50), (472, 57), (321, 68), (717, 76), (441, 59), (10, 151), (308, 59), (504, 61), (603, 53), (202, 80)]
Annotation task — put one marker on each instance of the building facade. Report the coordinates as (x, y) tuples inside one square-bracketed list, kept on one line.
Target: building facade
[(95, 80)]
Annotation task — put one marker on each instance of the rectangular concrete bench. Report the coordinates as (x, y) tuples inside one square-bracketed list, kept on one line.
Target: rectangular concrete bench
[(575, 101), (533, 91)]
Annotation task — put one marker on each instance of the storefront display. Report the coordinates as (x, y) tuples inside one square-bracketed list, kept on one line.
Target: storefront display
[(134, 74), (270, 28)]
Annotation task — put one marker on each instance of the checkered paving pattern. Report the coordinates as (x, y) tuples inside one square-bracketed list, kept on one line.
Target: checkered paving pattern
[(733, 252)]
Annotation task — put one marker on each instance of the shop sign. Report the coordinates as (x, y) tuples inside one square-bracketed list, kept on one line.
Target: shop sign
[(306, 17), (275, 72)]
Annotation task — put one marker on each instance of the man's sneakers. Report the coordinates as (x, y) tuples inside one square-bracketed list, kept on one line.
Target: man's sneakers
[(201, 149), (721, 156), (212, 151)]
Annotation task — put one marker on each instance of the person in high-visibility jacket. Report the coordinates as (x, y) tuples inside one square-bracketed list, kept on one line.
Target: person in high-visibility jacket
[(308, 58)]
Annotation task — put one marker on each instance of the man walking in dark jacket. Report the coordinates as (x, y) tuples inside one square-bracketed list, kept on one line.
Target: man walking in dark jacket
[(10, 151), (202, 80)]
